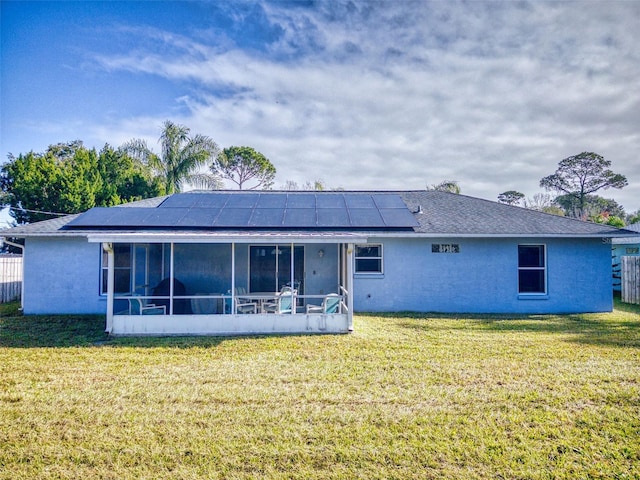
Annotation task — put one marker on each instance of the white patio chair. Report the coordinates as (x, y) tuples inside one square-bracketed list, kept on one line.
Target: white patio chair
[(330, 304), (139, 306), (283, 303)]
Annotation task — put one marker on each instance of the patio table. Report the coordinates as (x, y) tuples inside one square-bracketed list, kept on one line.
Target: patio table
[(260, 298)]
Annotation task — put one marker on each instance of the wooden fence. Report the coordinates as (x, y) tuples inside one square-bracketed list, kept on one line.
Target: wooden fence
[(10, 277), (631, 280)]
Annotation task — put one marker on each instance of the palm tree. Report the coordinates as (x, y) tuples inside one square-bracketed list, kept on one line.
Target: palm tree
[(180, 158)]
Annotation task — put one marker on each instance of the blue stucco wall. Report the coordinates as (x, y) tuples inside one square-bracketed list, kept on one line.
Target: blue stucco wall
[(321, 272), (483, 277), (62, 276)]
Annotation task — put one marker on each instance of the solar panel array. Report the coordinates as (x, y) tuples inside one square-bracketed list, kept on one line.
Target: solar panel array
[(360, 210)]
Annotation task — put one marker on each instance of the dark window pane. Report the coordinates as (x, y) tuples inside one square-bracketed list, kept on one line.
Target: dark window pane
[(531, 281), (122, 255), (104, 281), (368, 251), (122, 280), (368, 265), (530, 256)]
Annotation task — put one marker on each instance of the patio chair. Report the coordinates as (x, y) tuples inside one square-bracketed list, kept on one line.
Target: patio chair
[(283, 302), (330, 304), (139, 306), (243, 305)]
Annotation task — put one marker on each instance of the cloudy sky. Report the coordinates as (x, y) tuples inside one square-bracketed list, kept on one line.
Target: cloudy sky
[(362, 95)]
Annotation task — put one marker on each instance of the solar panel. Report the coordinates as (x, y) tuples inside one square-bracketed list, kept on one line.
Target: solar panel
[(233, 217), (330, 200), (185, 200), (366, 217), (199, 217), (94, 216), (127, 217), (204, 200), (267, 200), (388, 200), (301, 200), (398, 217), (300, 217), (333, 217), (245, 200), (266, 217), (161, 217), (259, 210), (355, 200)]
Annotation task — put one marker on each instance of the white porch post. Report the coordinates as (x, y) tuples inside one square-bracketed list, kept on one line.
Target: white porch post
[(171, 273), (293, 298), (350, 285), (233, 278), (108, 247)]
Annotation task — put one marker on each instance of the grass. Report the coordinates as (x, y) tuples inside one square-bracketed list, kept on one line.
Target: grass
[(404, 396)]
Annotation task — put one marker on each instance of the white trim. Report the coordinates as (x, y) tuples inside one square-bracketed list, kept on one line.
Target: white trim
[(349, 280), (544, 269), (110, 285), (380, 257), (375, 235), (167, 237)]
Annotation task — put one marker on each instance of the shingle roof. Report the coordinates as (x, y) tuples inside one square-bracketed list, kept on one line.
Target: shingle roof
[(437, 213), (453, 214), (55, 225)]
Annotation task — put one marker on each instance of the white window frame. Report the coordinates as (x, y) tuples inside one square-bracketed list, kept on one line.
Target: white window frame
[(543, 268), (356, 258), (104, 269)]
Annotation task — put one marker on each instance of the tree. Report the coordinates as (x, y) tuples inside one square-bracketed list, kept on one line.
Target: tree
[(69, 178), (594, 206), (611, 220), (511, 197), (581, 175), (316, 185), (242, 165), (446, 186), (125, 179), (633, 217), (180, 159)]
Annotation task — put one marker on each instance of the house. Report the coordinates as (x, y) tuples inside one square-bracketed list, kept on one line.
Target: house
[(624, 247), (238, 262)]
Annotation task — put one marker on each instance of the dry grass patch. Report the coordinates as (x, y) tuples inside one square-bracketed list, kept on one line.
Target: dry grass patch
[(404, 396)]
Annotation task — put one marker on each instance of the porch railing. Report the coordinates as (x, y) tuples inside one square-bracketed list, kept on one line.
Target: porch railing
[(225, 304)]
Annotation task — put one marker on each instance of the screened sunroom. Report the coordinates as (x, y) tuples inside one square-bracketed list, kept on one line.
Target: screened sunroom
[(226, 287)]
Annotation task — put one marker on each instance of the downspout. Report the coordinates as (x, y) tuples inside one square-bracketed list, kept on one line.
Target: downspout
[(108, 247), (21, 247)]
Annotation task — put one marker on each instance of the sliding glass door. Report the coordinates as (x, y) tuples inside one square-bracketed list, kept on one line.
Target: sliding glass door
[(270, 267)]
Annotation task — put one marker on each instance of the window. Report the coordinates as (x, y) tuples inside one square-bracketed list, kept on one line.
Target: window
[(368, 259), (532, 269), (121, 269), (445, 248)]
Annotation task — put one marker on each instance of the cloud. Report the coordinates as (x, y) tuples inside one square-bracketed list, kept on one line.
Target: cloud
[(401, 95)]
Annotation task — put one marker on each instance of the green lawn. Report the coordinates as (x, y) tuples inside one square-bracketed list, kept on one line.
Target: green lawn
[(404, 396)]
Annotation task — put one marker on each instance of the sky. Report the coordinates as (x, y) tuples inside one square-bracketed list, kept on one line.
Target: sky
[(361, 95)]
